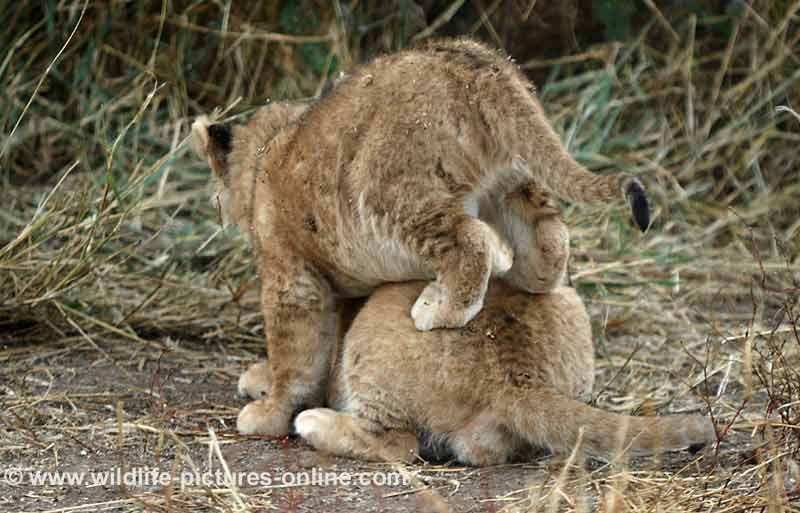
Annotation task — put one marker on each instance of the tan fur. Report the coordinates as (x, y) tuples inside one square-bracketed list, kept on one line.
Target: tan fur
[(418, 166), (507, 381)]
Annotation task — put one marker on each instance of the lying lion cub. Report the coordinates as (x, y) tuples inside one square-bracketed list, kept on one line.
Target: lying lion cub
[(506, 381), (418, 166)]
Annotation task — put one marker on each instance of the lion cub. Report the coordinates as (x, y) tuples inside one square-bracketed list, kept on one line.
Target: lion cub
[(505, 382), (417, 166)]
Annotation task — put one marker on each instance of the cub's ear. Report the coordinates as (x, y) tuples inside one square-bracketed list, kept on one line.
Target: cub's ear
[(200, 136), (221, 137), (212, 142)]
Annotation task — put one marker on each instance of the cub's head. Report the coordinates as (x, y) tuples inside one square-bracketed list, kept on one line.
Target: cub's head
[(233, 153), (215, 142)]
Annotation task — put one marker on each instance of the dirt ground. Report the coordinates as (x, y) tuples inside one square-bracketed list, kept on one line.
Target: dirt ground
[(177, 406), (190, 400)]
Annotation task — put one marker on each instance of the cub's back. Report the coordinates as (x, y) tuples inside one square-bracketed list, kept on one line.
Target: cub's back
[(518, 339)]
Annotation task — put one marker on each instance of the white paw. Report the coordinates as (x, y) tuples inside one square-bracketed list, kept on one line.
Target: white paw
[(427, 309), (432, 309), (249, 419), (311, 424), (255, 382), (258, 418)]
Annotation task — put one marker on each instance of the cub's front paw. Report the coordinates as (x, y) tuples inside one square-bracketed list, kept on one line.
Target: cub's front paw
[(314, 424), (256, 381), (263, 418), (434, 309)]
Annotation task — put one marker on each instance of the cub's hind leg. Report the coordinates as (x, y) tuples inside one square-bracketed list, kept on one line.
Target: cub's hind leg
[(540, 239), (347, 435), (464, 252), (484, 441), (300, 324)]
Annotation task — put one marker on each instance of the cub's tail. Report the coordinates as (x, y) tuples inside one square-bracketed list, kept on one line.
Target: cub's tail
[(549, 419), (553, 166), (571, 181)]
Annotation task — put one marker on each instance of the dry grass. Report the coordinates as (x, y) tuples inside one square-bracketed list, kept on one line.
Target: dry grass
[(126, 314)]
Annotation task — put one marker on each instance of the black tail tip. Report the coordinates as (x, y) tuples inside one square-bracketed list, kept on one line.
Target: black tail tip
[(221, 136), (639, 205)]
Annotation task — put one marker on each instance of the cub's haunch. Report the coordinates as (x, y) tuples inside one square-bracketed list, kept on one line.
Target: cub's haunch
[(507, 381), (422, 165)]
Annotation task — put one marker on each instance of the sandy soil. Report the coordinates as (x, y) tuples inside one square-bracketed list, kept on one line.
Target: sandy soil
[(64, 406)]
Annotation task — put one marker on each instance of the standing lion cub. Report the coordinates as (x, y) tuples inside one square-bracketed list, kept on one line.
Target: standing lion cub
[(421, 165), (505, 382)]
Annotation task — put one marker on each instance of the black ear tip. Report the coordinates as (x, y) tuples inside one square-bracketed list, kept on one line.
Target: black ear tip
[(639, 205), (221, 135)]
